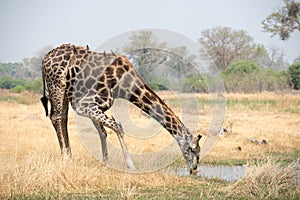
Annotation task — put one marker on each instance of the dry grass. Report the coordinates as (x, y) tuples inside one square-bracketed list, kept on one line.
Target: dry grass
[(267, 181), (30, 162), (30, 158)]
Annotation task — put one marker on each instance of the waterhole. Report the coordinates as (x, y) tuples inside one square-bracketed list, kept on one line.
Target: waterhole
[(227, 173)]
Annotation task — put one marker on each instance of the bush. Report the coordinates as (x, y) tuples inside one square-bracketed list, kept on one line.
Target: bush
[(35, 86), (246, 76), (241, 76), (18, 89), (9, 82), (271, 80), (283, 80), (194, 84), (294, 72), (159, 83), (20, 85)]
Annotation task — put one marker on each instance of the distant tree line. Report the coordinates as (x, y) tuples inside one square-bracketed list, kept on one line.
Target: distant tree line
[(240, 63), (24, 75)]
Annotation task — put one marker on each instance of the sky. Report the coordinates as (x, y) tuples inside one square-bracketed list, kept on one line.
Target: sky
[(28, 26)]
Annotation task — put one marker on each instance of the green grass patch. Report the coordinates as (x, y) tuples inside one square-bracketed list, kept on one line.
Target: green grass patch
[(197, 190), (290, 106), (285, 157), (229, 162)]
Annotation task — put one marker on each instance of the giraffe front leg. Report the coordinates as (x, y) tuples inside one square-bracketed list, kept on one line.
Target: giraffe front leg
[(112, 124), (103, 135), (128, 160)]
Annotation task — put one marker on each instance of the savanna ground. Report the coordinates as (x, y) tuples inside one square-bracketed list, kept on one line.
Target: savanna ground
[(31, 166)]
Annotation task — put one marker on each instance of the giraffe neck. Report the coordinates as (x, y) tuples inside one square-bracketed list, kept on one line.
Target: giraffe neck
[(155, 107)]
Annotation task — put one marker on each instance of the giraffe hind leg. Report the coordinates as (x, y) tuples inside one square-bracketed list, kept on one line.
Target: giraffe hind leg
[(59, 118), (64, 124)]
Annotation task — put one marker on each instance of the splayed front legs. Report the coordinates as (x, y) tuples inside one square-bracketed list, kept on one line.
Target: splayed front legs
[(100, 119), (103, 135)]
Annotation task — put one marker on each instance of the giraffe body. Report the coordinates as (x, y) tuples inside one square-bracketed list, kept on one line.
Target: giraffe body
[(90, 82)]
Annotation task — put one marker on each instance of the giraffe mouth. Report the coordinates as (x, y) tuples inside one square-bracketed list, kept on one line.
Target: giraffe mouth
[(193, 170)]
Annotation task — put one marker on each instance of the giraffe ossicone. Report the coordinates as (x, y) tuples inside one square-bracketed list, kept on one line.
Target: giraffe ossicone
[(90, 82)]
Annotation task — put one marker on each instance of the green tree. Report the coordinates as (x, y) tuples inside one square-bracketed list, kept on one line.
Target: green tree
[(196, 83), (283, 80), (35, 85), (10, 82), (268, 79), (294, 72), (241, 76), (284, 21), (225, 46)]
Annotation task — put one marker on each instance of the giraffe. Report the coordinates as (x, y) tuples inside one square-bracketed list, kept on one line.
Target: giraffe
[(90, 82)]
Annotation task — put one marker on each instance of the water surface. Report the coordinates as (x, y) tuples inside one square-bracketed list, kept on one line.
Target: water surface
[(227, 173)]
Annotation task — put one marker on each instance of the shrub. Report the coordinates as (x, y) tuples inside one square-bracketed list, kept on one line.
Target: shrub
[(34, 86), (159, 83), (20, 85), (9, 82), (241, 76), (294, 72), (194, 84), (18, 89)]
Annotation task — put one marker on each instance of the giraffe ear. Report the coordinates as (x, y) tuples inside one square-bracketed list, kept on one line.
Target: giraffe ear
[(195, 141), (199, 136)]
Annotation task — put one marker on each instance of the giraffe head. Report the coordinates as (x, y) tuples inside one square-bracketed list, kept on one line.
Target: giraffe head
[(192, 154)]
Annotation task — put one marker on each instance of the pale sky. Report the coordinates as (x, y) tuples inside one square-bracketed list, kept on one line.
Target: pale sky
[(29, 25)]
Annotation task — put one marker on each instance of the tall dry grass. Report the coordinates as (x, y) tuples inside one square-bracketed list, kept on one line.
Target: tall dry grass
[(30, 160), (270, 180)]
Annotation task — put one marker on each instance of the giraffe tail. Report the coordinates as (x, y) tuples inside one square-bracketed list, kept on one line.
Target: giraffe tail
[(44, 99)]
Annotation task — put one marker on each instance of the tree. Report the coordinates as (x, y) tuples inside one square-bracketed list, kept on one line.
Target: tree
[(225, 46), (241, 76), (283, 21), (11, 69), (294, 72), (271, 80), (297, 59), (260, 56), (182, 62), (145, 52), (9, 82), (277, 60), (32, 66)]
